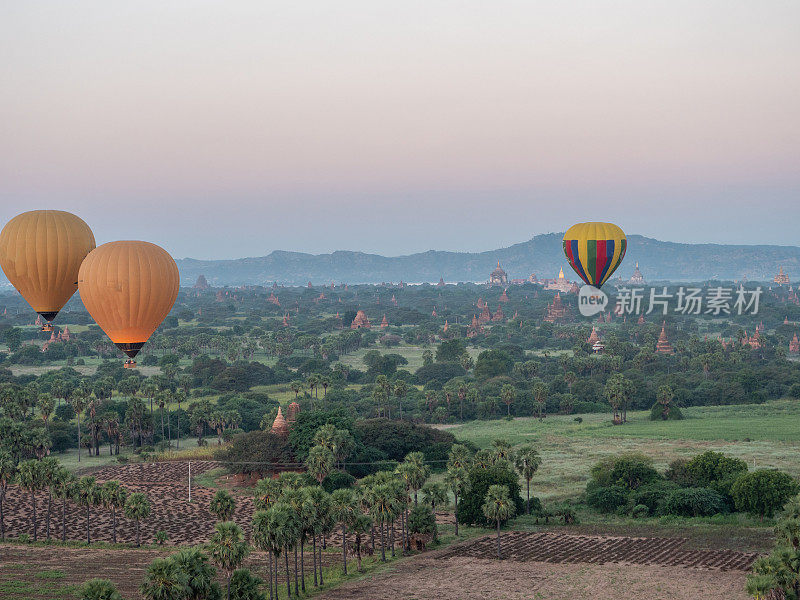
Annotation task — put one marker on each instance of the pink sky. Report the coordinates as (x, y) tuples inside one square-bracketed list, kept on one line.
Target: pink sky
[(394, 128)]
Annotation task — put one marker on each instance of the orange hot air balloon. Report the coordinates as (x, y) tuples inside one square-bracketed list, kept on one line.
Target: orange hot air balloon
[(128, 288), (40, 253)]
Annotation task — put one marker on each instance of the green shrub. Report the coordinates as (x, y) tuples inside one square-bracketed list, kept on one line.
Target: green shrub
[(606, 498), (99, 589), (337, 480), (627, 470), (421, 519), (672, 413), (640, 511), (709, 467), (470, 511), (244, 586), (653, 495), (160, 537), (694, 502), (762, 492)]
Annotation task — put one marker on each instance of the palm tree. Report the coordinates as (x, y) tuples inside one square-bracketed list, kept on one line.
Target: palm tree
[(311, 383), (502, 450), (457, 480), (507, 395), (383, 509), (266, 493), (223, 505), (360, 526), (432, 494), (527, 460), (228, 548), (619, 391), (498, 507), (79, 399), (296, 386), (400, 392), (540, 396), (267, 536), (419, 471), (86, 494), (200, 575), (51, 471), (164, 580), (296, 499), (113, 497), (46, 406), (30, 477), (319, 462), (65, 487), (8, 471), (318, 519), (137, 507), (344, 509)]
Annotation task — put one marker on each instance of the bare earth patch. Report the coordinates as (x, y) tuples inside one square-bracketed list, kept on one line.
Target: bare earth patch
[(429, 577)]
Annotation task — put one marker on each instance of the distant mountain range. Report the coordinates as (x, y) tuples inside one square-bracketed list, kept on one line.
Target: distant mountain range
[(541, 255)]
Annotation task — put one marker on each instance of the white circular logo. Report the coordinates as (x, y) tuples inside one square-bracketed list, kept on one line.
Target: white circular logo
[(591, 300)]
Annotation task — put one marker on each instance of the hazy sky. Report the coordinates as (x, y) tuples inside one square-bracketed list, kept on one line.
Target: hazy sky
[(226, 129)]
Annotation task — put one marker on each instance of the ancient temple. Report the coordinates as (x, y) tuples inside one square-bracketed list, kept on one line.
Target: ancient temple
[(486, 316), (663, 346), (498, 276), (475, 328), (560, 283), (286, 320), (781, 278), (794, 344), (63, 336), (637, 277), (446, 326), (754, 341), (291, 413), (593, 337), (433, 312), (556, 311), (384, 322), (641, 319), (499, 316), (361, 321), (441, 282), (279, 425), (504, 296), (394, 300), (201, 283), (480, 303)]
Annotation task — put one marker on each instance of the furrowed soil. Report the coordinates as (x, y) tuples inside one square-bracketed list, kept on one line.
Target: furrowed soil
[(565, 567)]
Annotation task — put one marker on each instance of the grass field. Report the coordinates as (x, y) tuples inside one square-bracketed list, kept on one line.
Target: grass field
[(413, 354), (765, 435)]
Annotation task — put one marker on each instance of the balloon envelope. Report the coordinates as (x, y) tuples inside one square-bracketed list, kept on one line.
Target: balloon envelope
[(41, 252), (595, 250), (128, 288)]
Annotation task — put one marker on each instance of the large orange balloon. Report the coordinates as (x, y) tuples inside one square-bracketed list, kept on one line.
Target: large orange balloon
[(128, 288), (41, 252)]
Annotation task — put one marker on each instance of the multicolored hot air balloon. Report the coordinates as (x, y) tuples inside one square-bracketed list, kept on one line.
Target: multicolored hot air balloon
[(595, 250), (129, 288), (40, 253)]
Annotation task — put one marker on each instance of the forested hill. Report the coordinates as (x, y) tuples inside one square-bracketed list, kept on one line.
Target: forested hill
[(541, 255)]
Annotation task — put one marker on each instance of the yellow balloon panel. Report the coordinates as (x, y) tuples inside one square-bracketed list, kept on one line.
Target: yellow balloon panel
[(129, 288), (41, 252)]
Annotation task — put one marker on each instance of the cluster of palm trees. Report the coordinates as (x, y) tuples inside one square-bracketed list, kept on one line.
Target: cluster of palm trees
[(48, 475)]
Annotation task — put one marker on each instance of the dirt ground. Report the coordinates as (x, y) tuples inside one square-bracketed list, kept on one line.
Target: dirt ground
[(429, 577)]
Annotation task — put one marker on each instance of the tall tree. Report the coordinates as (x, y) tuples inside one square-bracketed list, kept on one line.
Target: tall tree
[(8, 471), (30, 477), (87, 495), (527, 461), (113, 497), (498, 506), (223, 505), (228, 549), (137, 507), (344, 509)]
